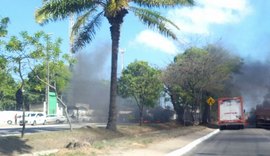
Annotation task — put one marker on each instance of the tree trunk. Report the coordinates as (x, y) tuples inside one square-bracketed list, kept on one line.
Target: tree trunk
[(66, 113), (206, 114), (141, 115), (22, 97), (23, 117), (59, 99), (177, 108), (115, 22), (115, 33)]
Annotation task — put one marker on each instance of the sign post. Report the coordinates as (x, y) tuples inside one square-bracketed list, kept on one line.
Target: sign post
[(210, 102)]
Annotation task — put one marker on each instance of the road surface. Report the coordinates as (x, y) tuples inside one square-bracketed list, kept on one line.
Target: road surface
[(16, 130), (247, 142)]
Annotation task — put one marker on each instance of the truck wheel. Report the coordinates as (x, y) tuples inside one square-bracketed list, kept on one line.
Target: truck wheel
[(221, 128), (44, 123), (9, 122), (58, 121)]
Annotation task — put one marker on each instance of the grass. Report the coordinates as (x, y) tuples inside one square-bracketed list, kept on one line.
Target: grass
[(93, 141)]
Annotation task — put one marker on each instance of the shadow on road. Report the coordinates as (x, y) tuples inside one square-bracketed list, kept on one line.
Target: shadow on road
[(13, 144), (211, 125)]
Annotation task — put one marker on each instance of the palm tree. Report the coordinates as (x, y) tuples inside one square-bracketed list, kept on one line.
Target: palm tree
[(90, 16)]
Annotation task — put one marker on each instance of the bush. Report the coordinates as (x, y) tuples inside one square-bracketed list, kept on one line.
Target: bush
[(159, 114)]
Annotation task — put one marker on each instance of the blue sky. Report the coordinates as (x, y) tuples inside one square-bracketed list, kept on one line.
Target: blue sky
[(239, 25)]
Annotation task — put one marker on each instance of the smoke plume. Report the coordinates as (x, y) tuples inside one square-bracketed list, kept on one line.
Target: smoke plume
[(253, 83), (90, 82)]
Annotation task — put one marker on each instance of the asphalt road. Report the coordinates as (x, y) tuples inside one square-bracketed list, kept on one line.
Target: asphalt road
[(247, 142), (16, 130)]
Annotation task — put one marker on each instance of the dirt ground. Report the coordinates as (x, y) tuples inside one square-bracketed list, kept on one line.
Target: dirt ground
[(149, 139)]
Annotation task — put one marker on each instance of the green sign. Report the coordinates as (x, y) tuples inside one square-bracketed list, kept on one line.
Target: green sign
[(52, 106)]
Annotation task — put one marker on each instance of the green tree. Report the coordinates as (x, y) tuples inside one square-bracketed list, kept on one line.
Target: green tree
[(7, 85), (141, 82), (20, 54), (219, 76), (91, 13), (23, 53), (52, 65), (59, 77), (196, 74), (51, 71), (3, 26)]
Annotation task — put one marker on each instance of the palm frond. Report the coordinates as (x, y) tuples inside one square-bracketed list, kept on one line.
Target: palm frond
[(163, 3), (154, 19), (61, 9), (87, 33), (81, 20)]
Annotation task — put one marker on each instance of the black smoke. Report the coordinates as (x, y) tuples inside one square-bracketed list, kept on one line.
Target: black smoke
[(90, 81), (90, 84), (253, 82)]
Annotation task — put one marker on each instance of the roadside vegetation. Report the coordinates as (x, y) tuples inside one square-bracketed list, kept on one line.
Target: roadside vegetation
[(25, 57), (141, 82), (94, 141), (187, 82), (196, 75), (89, 19)]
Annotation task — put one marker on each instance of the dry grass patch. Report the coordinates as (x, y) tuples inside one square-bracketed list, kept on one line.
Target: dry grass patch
[(96, 141)]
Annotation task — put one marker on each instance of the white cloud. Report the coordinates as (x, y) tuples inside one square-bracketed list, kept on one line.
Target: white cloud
[(196, 20), (199, 18), (156, 41)]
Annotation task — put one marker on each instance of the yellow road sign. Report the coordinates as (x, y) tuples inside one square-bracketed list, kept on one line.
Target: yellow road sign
[(210, 101)]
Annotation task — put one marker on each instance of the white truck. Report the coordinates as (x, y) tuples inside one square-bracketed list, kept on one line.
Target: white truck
[(231, 113)]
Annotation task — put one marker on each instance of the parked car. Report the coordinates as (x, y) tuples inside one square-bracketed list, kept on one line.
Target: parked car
[(53, 118), (19, 117), (33, 118)]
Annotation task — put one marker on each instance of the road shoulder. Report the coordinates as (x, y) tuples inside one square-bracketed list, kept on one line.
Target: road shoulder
[(165, 146)]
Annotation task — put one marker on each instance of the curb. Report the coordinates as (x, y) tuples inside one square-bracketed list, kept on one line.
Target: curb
[(191, 145)]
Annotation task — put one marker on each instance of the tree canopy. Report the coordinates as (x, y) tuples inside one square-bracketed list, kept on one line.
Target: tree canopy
[(196, 73), (7, 85), (3, 26), (24, 58), (141, 82)]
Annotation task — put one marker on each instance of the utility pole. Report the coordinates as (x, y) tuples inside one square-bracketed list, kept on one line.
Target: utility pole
[(48, 74), (122, 51)]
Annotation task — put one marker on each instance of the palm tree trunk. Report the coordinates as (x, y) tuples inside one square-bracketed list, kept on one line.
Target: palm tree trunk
[(115, 22), (115, 35)]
